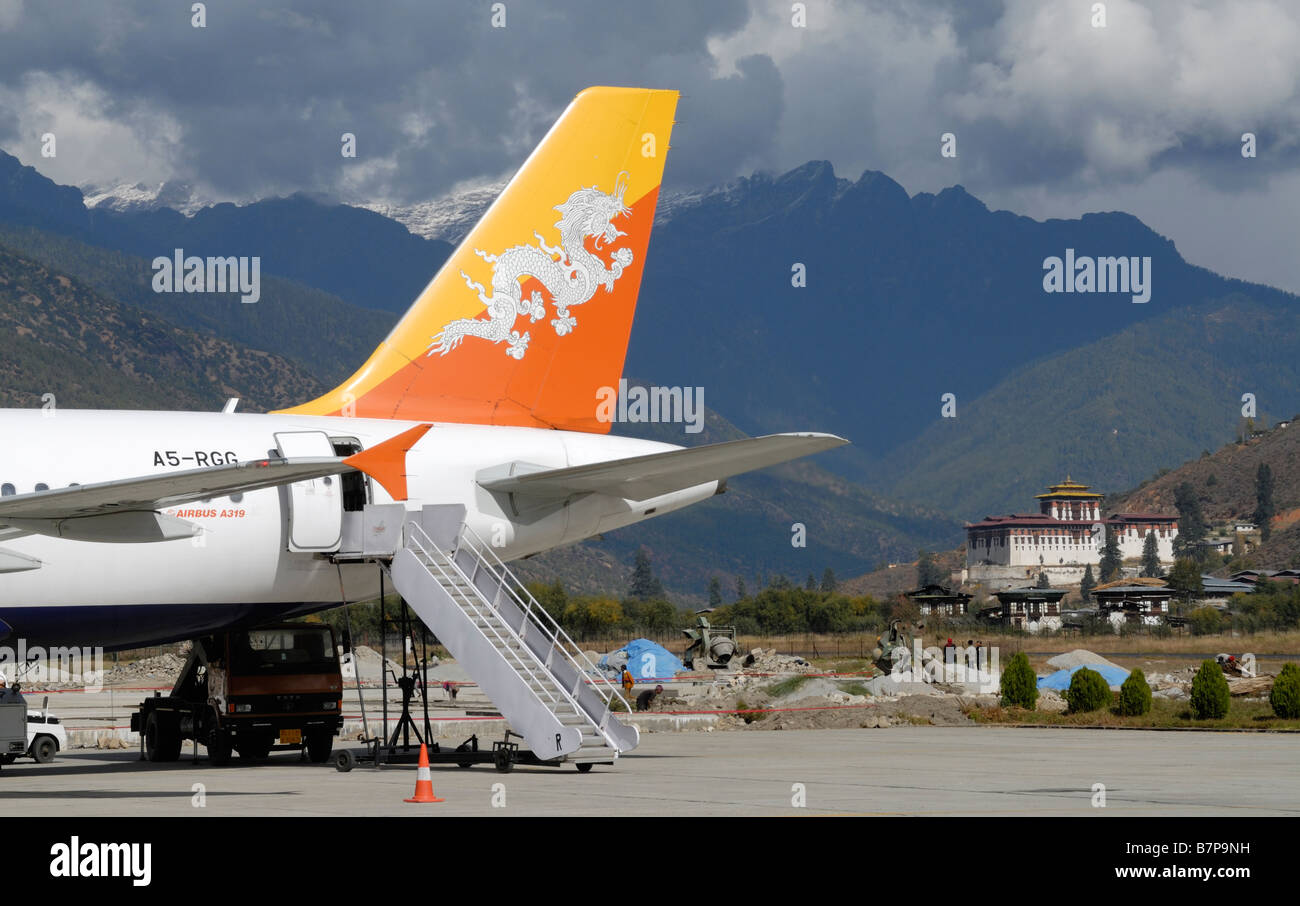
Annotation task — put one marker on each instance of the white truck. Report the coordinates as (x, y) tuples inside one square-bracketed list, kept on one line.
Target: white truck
[(45, 735)]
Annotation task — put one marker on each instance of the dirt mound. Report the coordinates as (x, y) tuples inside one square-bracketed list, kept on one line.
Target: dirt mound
[(814, 713), (820, 717), (1080, 657), (937, 710), (1050, 700)]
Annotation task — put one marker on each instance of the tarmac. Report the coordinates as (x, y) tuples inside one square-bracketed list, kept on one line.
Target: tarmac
[(932, 771)]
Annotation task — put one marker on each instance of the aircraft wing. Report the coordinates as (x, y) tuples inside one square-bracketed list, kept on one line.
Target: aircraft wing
[(152, 492), (643, 477), (129, 507)]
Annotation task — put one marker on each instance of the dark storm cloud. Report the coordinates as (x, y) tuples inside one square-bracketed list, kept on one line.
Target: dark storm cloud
[(256, 103), (432, 91)]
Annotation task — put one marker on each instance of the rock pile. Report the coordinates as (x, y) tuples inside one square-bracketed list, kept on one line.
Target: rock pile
[(161, 670), (760, 661)]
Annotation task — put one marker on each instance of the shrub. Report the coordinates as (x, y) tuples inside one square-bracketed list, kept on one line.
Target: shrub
[(1205, 621), (787, 686), (1019, 683), (1285, 697), (1134, 695), (1088, 691), (742, 705), (1209, 693)]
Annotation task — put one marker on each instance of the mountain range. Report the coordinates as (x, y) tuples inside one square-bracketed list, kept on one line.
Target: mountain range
[(904, 300)]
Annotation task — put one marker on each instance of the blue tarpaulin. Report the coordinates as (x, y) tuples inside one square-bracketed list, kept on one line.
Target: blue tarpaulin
[(648, 660), (1060, 680)]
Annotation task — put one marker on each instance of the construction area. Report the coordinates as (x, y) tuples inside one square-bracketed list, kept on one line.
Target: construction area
[(763, 690)]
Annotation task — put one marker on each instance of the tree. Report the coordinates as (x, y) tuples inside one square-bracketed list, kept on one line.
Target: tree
[(1111, 559), (1285, 697), (1019, 684), (1185, 578), (1087, 584), (927, 571), (1042, 580), (715, 592), (1205, 621), (828, 580), (553, 598), (1151, 558), (1264, 500), (741, 591), (810, 584), (1191, 522), (1134, 695), (1210, 694), (1088, 691), (644, 586)]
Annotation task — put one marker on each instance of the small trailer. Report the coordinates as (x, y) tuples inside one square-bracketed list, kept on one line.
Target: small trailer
[(13, 730)]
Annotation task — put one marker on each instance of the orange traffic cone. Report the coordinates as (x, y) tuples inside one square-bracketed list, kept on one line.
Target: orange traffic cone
[(423, 780)]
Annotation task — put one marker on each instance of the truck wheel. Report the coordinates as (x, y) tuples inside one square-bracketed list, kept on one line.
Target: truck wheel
[(219, 749), (162, 741), (503, 760), (319, 745), (584, 767), (43, 749)]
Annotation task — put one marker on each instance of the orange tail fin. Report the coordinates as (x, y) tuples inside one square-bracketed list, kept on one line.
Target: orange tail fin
[(531, 315)]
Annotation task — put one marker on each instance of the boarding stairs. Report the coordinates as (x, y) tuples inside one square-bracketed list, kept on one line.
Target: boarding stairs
[(545, 687)]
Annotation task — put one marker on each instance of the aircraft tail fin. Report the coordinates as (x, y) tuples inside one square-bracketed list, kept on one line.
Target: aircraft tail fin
[(530, 316)]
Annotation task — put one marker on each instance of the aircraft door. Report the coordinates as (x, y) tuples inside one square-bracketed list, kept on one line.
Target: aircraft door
[(315, 506)]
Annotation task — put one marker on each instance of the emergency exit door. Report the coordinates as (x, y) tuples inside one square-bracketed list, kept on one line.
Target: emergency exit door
[(315, 506)]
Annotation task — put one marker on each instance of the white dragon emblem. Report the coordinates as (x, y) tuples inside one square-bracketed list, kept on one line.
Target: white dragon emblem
[(570, 274)]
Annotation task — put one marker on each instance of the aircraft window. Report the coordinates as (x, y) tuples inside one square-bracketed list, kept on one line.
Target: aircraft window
[(7, 490), (42, 486)]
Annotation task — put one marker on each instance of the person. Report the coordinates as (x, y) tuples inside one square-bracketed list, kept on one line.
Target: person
[(628, 680), (8, 696), (644, 700)]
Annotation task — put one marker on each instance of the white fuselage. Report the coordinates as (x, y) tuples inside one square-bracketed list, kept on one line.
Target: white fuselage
[(241, 556)]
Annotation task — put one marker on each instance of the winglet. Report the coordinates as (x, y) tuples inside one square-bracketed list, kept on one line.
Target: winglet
[(386, 462)]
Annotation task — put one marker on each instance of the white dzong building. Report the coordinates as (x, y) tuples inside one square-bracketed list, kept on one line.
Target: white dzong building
[(1062, 539)]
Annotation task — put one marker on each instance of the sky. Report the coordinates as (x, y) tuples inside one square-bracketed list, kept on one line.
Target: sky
[(1053, 115)]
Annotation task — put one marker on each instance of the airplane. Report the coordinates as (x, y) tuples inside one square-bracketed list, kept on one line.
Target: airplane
[(121, 529)]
